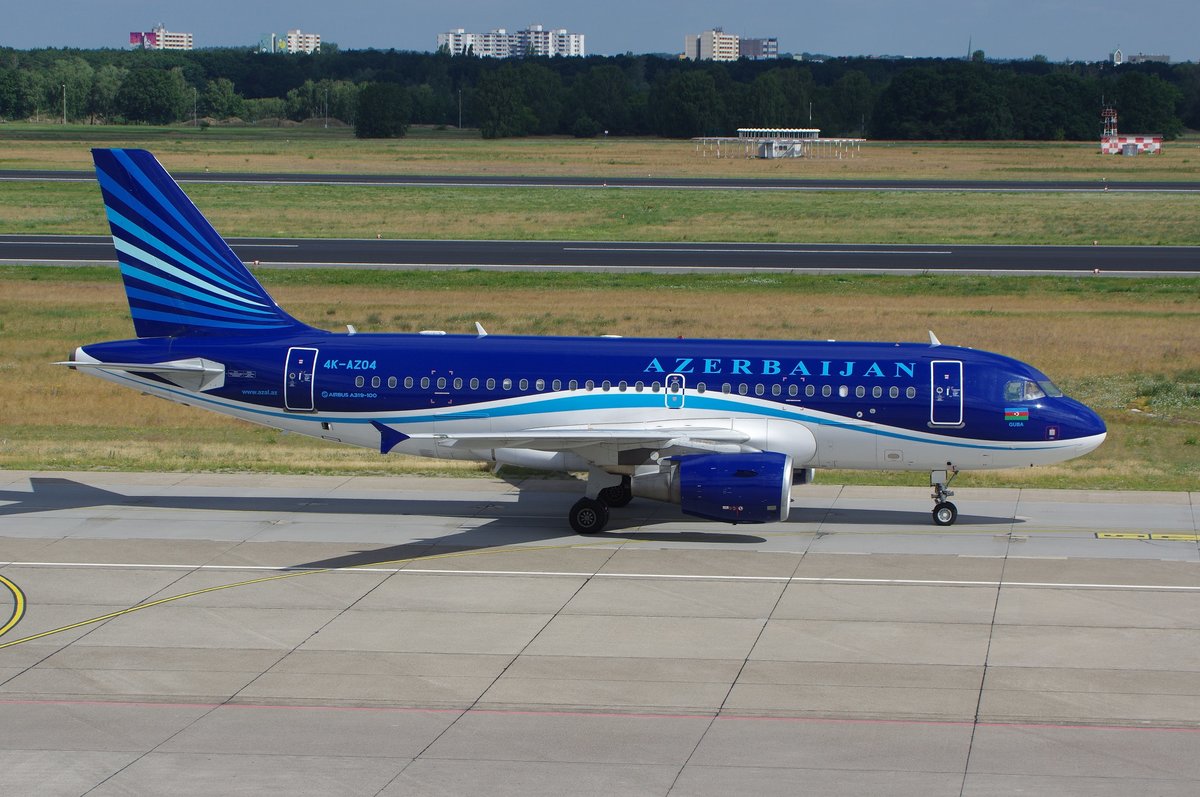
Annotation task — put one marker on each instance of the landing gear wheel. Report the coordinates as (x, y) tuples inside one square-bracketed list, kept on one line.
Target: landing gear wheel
[(618, 496), (588, 516), (944, 514)]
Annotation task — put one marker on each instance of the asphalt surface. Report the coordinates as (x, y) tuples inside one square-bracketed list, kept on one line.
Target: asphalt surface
[(550, 181), (617, 255), (682, 183), (201, 634)]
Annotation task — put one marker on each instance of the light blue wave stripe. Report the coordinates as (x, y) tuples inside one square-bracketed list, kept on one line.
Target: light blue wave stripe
[(137, 231), (148, 183), (146, 258), (596, 402), (188, 309), (129, 226), (154, 315), (109, 185), (174, 287)]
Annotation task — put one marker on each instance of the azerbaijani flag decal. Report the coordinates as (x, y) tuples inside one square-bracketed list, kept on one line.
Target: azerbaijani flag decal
[(1016, 414)]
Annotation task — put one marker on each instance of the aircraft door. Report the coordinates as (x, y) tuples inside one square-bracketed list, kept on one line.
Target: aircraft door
[(298, 379), (946, 393), (675, 388)]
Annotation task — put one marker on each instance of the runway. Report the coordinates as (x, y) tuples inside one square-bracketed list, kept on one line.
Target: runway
[(640, 256), (671, 183), (192, 634)]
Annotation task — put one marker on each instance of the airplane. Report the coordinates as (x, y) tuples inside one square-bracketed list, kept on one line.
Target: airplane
[(723, 428)]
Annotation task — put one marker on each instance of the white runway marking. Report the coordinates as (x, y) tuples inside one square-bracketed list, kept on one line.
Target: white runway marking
[(661, 576)]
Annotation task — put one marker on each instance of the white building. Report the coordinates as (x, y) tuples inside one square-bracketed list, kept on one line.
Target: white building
[(711, 45), (500, 43), (160, 39), (298, 42)]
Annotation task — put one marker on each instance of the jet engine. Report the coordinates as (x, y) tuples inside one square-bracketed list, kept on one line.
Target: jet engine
[(732, 488)]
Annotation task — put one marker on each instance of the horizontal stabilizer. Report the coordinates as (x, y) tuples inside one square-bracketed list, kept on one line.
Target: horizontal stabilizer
[(194, 374)]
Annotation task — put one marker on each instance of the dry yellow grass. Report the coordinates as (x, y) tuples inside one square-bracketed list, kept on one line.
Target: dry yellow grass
[(61, 419), (185, 149)]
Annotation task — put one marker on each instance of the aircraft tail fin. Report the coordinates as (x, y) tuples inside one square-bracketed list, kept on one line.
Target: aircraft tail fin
[(181, 278)]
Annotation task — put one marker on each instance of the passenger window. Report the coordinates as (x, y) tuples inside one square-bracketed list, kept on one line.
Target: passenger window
[(392, 383), (759, 389), (743, 388), (776, 389), (524, 384), (893, 392), (810, 390), (507, 383), (700, 388), (589, 385), (725, 388), (474, 383), (623, 386), (557, 385), (639, 387), (911, 393), (654, 387), (375, 381), (843, 391), (877, 392), (573, 385), (860, 391), (606, 385), (424, 383), (826, 390), (441, 383), (458, 383), (793, 390), (359, 381), (491, 383), (540, 384), (408, 383)]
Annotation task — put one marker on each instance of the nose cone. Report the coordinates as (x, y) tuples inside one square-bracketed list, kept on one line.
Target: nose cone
[(1089, 429)]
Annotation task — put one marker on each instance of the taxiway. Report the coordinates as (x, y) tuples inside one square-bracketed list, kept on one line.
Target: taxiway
[(191, 634)]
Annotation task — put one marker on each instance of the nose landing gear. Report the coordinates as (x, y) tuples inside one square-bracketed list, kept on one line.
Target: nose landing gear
[(944, 512)]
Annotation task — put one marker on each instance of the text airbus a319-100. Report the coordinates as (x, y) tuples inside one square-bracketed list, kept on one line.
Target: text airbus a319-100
[(723, 428)]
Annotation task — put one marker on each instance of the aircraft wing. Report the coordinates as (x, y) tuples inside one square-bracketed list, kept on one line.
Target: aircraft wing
[(595, 444), (701, 439)]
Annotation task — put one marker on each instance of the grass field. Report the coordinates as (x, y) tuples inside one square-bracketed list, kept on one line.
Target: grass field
[(1130, 348), (639, 215)]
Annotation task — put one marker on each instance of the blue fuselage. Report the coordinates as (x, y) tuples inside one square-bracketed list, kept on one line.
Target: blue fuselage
[(868, 405)]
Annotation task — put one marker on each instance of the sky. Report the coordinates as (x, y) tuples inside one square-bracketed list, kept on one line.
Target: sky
[(1080, 30)]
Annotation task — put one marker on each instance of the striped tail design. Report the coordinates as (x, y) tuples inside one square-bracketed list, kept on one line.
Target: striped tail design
[(180, 276)]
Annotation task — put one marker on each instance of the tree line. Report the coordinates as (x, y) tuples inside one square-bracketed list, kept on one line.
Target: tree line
[(382, 92)]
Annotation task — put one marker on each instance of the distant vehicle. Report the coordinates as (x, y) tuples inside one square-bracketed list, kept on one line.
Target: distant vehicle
[(724, 428)]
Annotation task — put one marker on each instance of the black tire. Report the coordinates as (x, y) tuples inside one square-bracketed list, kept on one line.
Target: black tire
[(588, 516), (944, 514), (618, 496)]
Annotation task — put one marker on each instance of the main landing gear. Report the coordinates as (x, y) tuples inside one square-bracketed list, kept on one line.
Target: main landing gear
[(944, 512), (590, 515)]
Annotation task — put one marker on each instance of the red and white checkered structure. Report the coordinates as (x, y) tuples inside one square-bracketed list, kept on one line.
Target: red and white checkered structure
[(1114, 145)]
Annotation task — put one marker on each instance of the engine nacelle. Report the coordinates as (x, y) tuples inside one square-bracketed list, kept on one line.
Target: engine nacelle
[(732, 488)]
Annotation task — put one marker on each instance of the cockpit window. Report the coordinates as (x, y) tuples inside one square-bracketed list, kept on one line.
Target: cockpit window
[(1050, 388), (1028, 390)]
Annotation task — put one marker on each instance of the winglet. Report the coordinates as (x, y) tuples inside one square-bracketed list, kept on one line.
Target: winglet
[(480, 330), (389, 438), (933, 339)]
